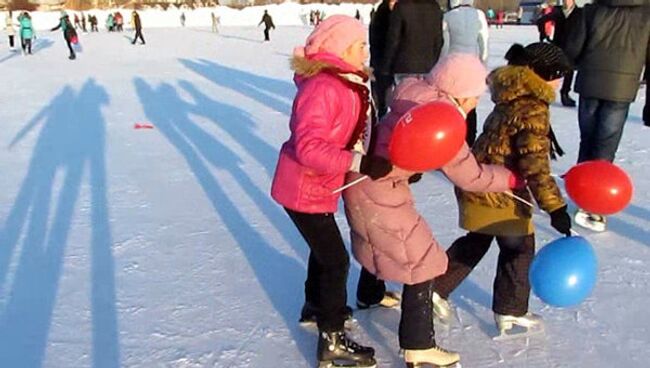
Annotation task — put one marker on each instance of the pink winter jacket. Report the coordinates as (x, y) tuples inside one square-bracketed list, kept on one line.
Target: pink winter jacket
[(389, 237), (314, 160)]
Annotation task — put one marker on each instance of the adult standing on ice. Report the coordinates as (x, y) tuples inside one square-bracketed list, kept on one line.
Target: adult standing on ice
[(215, 22), (609, 44), (183, 19), (379, 23), (414, 39), (68, 32), (9, 28), (562, 17), (465, 30), (268, 25), (389, 236), (137, 24), (646, 107), (330, 113), (26, 33)]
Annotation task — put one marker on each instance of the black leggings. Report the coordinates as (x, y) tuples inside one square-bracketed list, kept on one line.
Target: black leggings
[(327, 271), (138, 34), (26, 44), (511, 285), (67, 41), (470, 137), (11, 41)]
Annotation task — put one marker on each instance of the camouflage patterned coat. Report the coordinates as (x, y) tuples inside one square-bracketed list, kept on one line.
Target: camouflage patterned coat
[(515, 135)]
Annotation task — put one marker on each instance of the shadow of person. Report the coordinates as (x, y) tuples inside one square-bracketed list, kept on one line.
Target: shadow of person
[(274, 93), (279, 275), (71, 142)]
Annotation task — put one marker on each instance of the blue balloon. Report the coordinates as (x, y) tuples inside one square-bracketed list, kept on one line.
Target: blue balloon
[(563, 273)]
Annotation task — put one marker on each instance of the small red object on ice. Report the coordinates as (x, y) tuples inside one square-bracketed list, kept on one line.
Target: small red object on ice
[(143, 126)]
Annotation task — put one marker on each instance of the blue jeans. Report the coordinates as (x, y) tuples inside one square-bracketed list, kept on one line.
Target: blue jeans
[(601, 127)]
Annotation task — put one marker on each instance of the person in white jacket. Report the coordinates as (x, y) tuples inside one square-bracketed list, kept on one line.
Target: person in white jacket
[(465, 30), (9, 29)]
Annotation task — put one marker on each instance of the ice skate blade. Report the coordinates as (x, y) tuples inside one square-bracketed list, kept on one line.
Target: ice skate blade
[(342, 364), (427, 365), (582, 219), (311, 324), (528, 332)]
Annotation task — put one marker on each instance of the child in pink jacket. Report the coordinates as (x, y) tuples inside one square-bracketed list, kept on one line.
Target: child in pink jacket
[(389, 237), (329, 119)]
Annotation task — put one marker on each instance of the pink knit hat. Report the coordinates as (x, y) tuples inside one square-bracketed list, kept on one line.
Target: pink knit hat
[(459, 75), (334, 35)]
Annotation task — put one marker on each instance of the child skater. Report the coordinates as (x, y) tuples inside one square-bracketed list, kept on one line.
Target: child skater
[(516, 134), (389, 237), (330, 116)]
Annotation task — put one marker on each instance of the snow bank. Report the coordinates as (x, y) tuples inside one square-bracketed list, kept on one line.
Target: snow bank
[(286, 14)]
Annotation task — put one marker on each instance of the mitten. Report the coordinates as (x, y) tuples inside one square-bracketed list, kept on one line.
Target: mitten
[(375, 167), (561, 221)]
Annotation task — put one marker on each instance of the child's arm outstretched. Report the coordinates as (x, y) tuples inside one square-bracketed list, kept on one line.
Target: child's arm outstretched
[(469, 175)]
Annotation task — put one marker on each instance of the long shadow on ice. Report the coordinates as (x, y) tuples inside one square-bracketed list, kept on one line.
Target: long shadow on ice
[(274, 93), (37, 46), (70, 146), (236, 123), (239, 125), (279, 275)]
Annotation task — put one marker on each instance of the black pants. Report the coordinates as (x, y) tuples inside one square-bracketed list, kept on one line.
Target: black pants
[(511, 285), (416, 322), (11, 41), (470, 137), (26, 44), (380, 88), (327, 271), (67, 41), (370, 289), (567, 82), (266, 34), (138, 34)]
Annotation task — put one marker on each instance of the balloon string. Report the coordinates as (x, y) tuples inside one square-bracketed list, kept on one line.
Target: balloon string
[(532, 206), (350, 184), (519, 199)]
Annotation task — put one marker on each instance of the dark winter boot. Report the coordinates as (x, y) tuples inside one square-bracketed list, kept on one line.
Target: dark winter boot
[(336, 349), (567, 100), (72, 57)]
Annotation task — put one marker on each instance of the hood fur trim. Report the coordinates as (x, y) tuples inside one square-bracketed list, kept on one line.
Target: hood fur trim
[(511, 82), (308, 68)]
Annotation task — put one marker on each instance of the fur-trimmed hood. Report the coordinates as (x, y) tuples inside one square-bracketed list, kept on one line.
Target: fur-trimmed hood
[(511, 82), (306, 67)]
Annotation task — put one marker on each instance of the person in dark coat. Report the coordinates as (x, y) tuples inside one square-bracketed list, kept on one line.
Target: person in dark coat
[(562, 16), (378, 30), (83, 23), (69, 34), (609, 45), (646, 109), (268, 24), (137, 24), (414, 39)]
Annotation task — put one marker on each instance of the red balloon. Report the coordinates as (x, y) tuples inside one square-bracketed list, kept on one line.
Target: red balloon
[(599, 187), (427, 137)]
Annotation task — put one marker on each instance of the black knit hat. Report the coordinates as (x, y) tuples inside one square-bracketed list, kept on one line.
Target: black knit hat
[(545, 59)]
